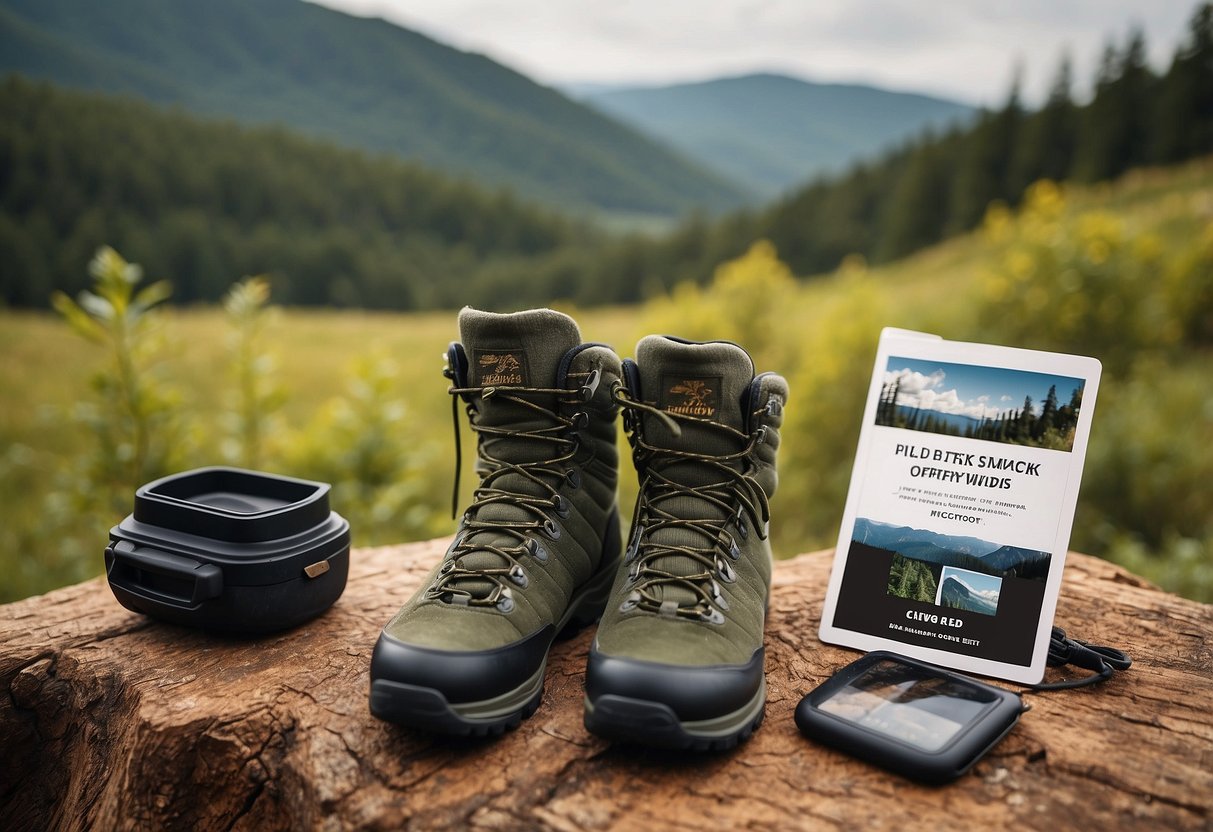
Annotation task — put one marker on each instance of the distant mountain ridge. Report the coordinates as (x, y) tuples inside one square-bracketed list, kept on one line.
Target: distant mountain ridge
[(952, 550), (364, 83), (957, 595), (771, 131), (898, 538), (956, 420)]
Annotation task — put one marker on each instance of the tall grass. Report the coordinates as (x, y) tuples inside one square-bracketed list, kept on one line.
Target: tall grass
[(358, 399)]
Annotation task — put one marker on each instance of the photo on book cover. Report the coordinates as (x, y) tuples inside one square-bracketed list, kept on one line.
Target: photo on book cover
[(992, 403), (961, 502)]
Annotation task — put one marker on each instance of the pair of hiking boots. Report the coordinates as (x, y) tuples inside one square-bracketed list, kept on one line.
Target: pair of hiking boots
[(678, 659)]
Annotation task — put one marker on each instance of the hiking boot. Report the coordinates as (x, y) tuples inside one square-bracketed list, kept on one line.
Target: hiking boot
[(537, 549), (678, 659)]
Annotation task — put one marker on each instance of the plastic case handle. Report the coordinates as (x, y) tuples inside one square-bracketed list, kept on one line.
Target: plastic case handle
[(141, 571)]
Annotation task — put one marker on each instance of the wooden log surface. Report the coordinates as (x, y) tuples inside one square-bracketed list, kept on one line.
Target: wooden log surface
[(113, 721)]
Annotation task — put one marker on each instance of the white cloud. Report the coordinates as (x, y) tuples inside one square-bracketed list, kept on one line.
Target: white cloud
[(956, 48), (923, 392), (912, 382)]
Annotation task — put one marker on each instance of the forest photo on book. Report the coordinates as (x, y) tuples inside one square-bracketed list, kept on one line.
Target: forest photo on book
[(992, 403)]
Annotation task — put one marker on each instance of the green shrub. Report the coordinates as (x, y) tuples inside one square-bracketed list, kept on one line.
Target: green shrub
[(252, 419), (362, 444), (135, 416)]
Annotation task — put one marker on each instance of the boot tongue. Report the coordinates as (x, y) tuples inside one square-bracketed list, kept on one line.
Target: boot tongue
[(702, 381), (520, 349), (706, 382)]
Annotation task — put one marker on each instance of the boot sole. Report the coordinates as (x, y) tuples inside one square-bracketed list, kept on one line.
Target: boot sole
[(645, 722), (420, 707), (428, 709)]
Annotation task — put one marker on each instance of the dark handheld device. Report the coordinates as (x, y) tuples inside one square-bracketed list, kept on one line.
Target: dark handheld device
[(910, 717)]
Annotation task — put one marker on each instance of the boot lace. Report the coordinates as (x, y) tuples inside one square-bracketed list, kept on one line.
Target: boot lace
[(739, 500), (484, 585)]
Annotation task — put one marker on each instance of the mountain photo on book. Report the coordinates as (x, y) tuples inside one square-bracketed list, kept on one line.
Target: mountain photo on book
[(917, 552), (996, 404), (963, 589)]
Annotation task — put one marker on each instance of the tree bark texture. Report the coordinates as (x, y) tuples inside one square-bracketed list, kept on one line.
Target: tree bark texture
[(109, 720)]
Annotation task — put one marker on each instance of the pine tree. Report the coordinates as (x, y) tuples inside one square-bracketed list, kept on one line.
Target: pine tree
[(1027, 420), (1048, 413), (1047, 148), (917, 210), (1184, 125), (983, 174), (1115, 132)]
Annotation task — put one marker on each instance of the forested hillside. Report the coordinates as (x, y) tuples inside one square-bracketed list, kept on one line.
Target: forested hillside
[(203, 203), (363, 83), (941, 185), (207, 202)]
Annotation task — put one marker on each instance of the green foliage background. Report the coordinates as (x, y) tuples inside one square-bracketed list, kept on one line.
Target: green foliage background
[(1122, 272), (205, 201)]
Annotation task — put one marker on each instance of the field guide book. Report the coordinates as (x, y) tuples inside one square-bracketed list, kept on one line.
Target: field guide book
[(961, 502)]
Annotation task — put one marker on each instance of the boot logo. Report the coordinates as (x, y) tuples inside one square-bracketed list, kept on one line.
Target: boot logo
[(697, 397), (504, 367)]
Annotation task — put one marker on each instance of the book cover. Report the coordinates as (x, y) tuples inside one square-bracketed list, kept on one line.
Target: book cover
[(961, 502)]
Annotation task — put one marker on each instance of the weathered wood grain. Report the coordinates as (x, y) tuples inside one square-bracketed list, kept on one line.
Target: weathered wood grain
[(111, 721)]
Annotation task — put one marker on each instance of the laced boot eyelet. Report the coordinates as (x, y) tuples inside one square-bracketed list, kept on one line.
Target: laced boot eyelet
[(551, 529), (518, 576), (580, 421), (505, 601), (718, 597), (712, 616), (725, 571), (537, 551), (740, 523), (633, 545), (446, 567), (630, 603), (573, 477), (561, 506)]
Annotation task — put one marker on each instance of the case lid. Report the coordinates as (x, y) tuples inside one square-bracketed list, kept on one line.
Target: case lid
[(259, 528), (233, 504)]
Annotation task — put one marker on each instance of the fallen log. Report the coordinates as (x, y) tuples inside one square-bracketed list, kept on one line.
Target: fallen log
[(113, 721)]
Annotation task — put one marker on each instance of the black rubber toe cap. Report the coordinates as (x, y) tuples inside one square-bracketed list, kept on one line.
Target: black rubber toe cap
[(694, 693), (467, 676)]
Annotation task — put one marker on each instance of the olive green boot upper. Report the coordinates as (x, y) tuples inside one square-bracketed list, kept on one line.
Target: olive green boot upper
[(682, 632), (539, 543)]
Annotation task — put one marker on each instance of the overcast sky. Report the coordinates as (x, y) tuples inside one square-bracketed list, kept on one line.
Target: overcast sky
[(963, 49)]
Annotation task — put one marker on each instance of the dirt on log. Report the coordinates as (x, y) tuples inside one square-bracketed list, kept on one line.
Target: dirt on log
[(113, 721)]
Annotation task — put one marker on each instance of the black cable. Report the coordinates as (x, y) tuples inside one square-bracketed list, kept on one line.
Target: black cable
[(1103, 660)]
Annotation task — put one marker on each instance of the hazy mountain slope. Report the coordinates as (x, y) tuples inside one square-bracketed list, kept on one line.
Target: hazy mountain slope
[(364, 83), (771, 131), (202, 202)]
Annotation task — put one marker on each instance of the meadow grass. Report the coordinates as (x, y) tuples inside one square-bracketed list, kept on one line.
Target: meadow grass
[(45, 370)]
